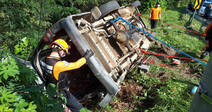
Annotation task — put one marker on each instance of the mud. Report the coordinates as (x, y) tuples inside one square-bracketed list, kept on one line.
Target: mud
[(126, 96)]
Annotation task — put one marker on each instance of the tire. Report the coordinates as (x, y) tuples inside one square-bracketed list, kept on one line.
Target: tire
[(136, 4), (108, 7)]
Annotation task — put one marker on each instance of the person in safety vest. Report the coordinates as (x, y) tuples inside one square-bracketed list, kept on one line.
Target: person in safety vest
[(208, 38), (54, 70), (155, 15)]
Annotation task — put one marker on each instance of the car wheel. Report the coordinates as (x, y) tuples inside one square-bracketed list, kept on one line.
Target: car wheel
[(136, 4), (109, 7)]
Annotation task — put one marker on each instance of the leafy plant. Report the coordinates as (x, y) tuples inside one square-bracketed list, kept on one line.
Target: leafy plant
[(8, 68), (10, 100), (20, 92), (23, 47)]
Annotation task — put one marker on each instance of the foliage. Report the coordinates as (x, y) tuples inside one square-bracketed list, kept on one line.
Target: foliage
[(13, 102), (19, 21), (85, 110), (20, 92), (27, 20), (8, 69), (178, 3), (22, 47), (10, 100), (47, 100), (146, 5), (160, 95)]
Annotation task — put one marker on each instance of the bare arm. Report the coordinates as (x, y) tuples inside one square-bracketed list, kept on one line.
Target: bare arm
[(150, 15), (160, 16)]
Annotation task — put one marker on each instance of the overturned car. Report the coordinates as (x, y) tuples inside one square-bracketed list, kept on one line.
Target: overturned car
[(115, 44)]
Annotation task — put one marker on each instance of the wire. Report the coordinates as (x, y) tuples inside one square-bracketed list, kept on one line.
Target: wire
[(146, 52), (119, 18), (168, 67), (163, 65)]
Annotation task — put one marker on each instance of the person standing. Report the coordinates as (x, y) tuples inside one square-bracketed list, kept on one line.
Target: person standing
[(208, 38), (155, 15), (207, 11)]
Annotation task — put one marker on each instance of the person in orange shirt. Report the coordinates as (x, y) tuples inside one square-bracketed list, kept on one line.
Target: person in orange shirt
[(208, 38), (54, 71), (155, 15)]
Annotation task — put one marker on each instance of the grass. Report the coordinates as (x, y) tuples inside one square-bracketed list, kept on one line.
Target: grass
[(176, 96), (179, 38), (169, 95)]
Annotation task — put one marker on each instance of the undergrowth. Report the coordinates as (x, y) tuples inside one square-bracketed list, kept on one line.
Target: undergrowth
[(20, 92)]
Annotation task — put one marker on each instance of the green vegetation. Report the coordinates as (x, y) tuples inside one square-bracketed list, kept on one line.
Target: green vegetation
[(163, 95), (21, 29), (19, 91)]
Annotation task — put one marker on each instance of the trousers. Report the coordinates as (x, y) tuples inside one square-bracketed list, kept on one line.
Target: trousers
[(154, 23), (72, 103)]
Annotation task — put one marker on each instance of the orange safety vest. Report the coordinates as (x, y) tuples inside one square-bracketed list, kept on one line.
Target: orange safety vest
[(155, 11), (62, 66)]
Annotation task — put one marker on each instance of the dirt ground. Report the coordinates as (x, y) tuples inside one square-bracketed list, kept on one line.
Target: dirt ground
[(126, 96)]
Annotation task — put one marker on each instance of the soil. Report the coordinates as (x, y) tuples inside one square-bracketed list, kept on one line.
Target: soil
[(169, 51), (166, 50), (126, 96)]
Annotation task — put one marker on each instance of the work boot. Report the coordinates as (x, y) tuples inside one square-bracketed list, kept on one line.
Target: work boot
[(204, 55)]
